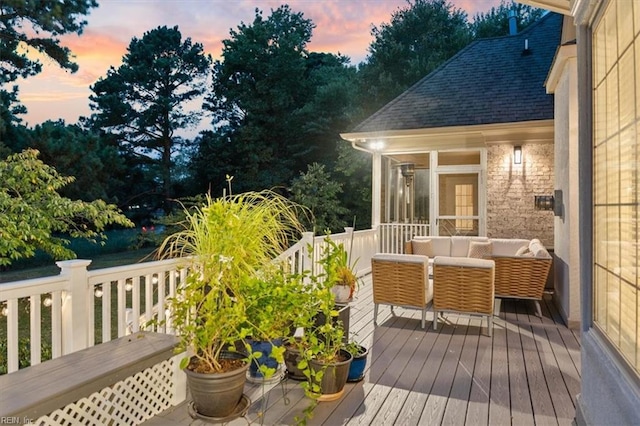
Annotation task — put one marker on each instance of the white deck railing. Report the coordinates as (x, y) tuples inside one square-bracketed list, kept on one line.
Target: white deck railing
[(77, 298), (393, 235), (361, 245), (80, 301)]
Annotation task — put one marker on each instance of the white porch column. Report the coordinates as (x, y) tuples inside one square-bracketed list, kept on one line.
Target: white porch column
[(75, 331), (376, 190)]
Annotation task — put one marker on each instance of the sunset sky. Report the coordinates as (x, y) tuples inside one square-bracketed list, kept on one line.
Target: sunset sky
[(342, 26)]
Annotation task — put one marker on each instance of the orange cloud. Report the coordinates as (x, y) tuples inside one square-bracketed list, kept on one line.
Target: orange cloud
[(342, 26)]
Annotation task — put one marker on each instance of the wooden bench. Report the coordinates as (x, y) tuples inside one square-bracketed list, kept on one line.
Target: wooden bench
[(41, 389)]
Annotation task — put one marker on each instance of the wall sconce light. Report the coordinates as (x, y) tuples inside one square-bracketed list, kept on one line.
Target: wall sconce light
[(558, 209), (517, 154), (544, 202)]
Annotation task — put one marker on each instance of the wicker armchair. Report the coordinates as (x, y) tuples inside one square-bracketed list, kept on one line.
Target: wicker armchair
[(521, 278), (463, 285), (401, 280)]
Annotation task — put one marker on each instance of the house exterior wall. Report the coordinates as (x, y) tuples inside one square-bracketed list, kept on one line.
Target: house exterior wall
[(566, 271), (511, 189), (610, 392)]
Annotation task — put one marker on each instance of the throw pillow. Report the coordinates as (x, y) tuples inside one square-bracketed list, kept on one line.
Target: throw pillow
[(422, 247), (523, 251), (480, 249)]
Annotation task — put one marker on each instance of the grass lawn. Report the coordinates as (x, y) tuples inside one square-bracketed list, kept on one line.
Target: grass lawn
[(126, 257)]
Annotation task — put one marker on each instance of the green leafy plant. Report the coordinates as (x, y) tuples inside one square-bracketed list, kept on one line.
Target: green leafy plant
[(36, 216), (273, 299), (228, 240), (335, 263), (323, 337)]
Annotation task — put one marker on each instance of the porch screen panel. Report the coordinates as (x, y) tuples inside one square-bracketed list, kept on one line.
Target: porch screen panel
[(421, 196), (616, 182)]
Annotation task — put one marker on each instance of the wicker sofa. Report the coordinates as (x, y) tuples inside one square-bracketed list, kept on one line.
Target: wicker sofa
[(521, 266)]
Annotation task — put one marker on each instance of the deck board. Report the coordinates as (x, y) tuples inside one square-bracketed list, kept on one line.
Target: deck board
[(527, 373)]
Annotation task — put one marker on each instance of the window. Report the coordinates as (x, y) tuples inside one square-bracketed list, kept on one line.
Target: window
[(464, 206), (616, 182)]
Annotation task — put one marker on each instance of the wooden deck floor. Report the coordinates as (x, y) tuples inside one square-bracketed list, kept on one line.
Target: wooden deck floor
[(528, 373)]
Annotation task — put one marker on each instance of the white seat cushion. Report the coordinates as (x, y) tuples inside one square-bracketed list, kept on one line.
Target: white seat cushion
[(409, 258), (468, 262), (507, 246), (460, 245), (441, 245), (538, 249)]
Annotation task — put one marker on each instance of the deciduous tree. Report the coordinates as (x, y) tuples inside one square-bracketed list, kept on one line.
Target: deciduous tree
[(495, 22), (97, 168), (33, 215), (316, 190), (418, 39)]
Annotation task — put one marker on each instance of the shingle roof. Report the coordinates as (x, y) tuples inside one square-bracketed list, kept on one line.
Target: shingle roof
[(490, 81)]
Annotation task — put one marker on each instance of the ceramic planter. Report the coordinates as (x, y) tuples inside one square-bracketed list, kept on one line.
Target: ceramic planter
[(291, 359), (265, 348), (342, 293), (335, 376), (358, 365)]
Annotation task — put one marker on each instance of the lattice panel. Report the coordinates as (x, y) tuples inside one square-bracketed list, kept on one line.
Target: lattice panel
[(128, 402)]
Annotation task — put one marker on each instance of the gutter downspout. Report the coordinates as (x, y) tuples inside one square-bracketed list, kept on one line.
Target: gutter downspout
[(376, 185)]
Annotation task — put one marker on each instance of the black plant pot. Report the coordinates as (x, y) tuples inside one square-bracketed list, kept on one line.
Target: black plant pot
[(291, 359), (344, 311), (217, 394), (334, 377)]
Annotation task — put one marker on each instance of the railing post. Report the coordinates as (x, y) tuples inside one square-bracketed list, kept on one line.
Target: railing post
[(75, 332)]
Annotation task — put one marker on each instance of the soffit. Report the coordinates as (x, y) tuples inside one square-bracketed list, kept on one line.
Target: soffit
[(559, 6), (454, 138)]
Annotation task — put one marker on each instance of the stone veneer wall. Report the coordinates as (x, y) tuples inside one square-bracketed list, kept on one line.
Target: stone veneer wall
[(511, 189)]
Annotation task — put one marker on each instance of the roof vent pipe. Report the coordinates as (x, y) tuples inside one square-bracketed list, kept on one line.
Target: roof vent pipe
[(513, 26)]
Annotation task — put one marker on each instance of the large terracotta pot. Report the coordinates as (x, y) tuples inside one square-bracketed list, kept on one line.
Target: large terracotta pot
[(217, 394)]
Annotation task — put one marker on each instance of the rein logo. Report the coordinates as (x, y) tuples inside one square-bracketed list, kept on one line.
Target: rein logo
[(15, 420)]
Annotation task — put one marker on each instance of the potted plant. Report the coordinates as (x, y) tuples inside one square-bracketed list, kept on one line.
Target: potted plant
[(359, 362), (273, 300), (338, 272), (227, 241), (325, 362)]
